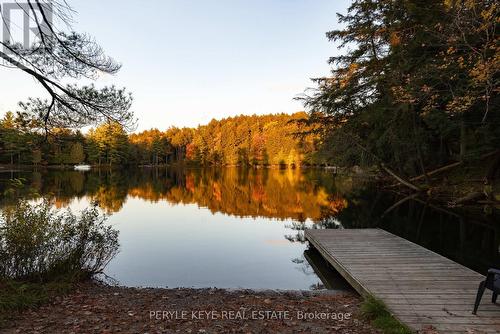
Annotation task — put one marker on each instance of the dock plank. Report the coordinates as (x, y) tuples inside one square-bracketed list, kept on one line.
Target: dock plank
[(420, 288)]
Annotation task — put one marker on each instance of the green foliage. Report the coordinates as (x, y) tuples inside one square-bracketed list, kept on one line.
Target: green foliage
[(12, 187), (110, 142), (44, 252), (242, 140), (150, 147), (376, 311), (76, 154), (12, 139), (416, 86), (18, 295), (39, 244)]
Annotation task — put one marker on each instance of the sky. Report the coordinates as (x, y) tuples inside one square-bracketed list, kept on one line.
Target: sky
[(189, 61)]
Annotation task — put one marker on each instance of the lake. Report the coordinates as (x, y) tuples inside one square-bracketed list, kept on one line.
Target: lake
[(243, 228)]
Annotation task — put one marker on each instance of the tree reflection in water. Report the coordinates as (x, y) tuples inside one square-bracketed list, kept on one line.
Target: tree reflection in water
[(309, 198), (280, 194)]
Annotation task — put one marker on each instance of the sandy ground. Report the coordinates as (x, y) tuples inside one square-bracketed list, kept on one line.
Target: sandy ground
[(96, 308)]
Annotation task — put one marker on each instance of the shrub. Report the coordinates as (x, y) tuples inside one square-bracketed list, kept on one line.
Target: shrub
[(39, 243)]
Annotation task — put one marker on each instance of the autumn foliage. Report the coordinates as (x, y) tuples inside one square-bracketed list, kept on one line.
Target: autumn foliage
[(280, 139)]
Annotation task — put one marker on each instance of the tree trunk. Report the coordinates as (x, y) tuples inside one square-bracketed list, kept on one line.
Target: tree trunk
[(493, 169), (399, 178), (419, 151), (463, 140), (435, 171)]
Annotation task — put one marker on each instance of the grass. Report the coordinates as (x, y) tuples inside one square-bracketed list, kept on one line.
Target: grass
[(380, 317), (16, 295)]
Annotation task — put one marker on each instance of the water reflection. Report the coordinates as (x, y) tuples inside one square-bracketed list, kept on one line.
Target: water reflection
[(282, 194), (330, 278), (467, 235), (198, 227), (177, 225)]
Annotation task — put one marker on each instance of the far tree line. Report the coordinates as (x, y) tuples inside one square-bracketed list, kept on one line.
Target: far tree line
[(413, 91), (242, 140)]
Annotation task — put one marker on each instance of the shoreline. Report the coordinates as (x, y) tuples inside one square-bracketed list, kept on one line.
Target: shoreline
[(450, 189), (94, 307), (9, 167)]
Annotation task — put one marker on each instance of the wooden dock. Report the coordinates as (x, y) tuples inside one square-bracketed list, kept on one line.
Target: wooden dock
[(420, 287)]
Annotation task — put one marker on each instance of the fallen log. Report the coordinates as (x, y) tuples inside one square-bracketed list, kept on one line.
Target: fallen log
[(467, 198), (458, 163), (399, 178), (436, 171)]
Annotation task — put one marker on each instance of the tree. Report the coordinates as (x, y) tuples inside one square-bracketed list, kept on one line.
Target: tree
[(58, 55), (414, 87), (111, 143), (248, 140), (150, 147), (92, 150), (241, 140), (77, 154), (10, 136), (179, 138), (37, 157)]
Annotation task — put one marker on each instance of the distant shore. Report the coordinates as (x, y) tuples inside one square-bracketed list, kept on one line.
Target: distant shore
[(334, 169)]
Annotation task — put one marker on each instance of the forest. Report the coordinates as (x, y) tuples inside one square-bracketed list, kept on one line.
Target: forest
[(409, 111), (242, 140), (415, 89), (413, 92)]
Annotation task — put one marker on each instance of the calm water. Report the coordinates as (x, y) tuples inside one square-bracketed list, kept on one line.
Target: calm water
[(232, 227)]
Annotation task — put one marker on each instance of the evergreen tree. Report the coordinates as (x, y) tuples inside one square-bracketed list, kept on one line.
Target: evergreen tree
[(77, 154)]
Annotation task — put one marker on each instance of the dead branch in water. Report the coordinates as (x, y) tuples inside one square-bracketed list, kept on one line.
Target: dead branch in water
[(436, 171), (466, 198), (399, 178), (398, 203)]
